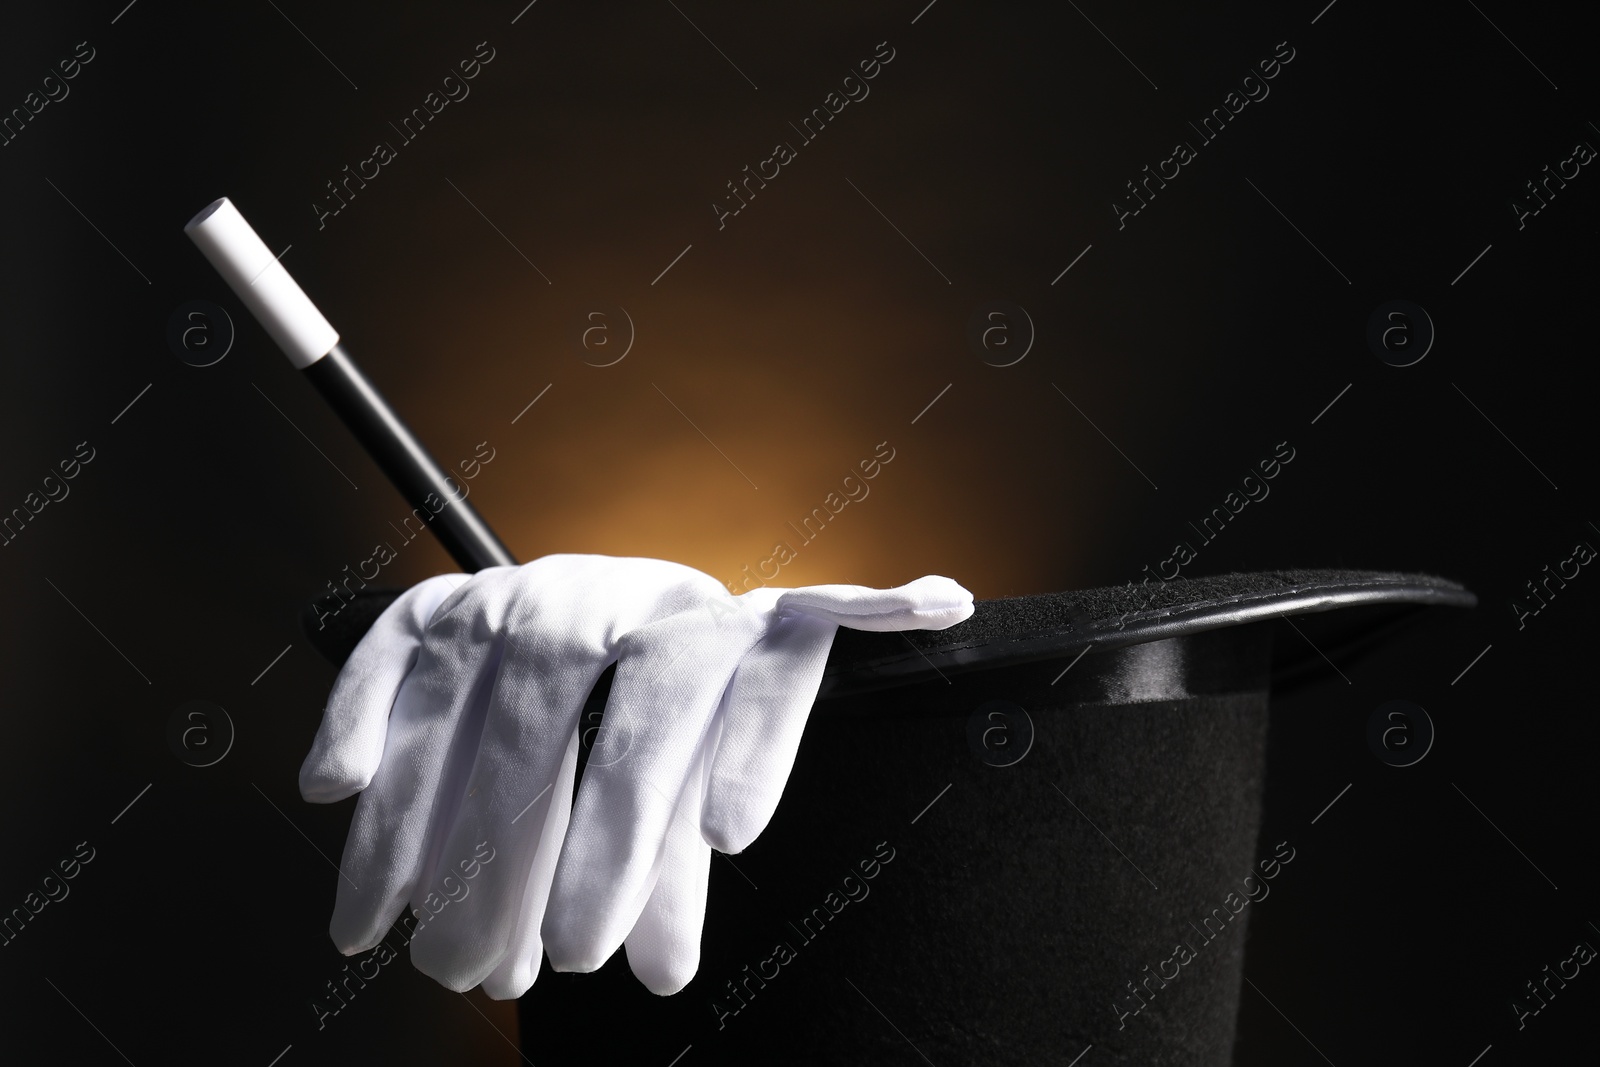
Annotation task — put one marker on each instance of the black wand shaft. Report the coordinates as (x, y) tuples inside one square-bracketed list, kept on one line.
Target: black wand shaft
[(456, 523)]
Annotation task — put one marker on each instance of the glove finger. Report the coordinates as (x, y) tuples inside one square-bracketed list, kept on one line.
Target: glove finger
[(432, 730), (664, 946), (931, 602), (515, 973), (349, 743), (561, 622), (667, 689), (532, 726), (763, 717)]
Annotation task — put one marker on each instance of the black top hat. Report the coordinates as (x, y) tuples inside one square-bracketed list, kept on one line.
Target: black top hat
[(1002, 843)]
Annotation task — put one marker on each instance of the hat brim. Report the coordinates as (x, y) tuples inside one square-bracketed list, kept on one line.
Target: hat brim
[(1024, 629), (1017, 630)]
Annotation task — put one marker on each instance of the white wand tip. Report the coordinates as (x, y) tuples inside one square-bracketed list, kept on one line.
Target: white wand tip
[(259, 280)]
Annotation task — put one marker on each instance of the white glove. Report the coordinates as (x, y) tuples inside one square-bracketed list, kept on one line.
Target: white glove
[(457, 719)]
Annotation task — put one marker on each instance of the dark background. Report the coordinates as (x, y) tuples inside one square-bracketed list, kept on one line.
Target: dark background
[(808, 329)]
